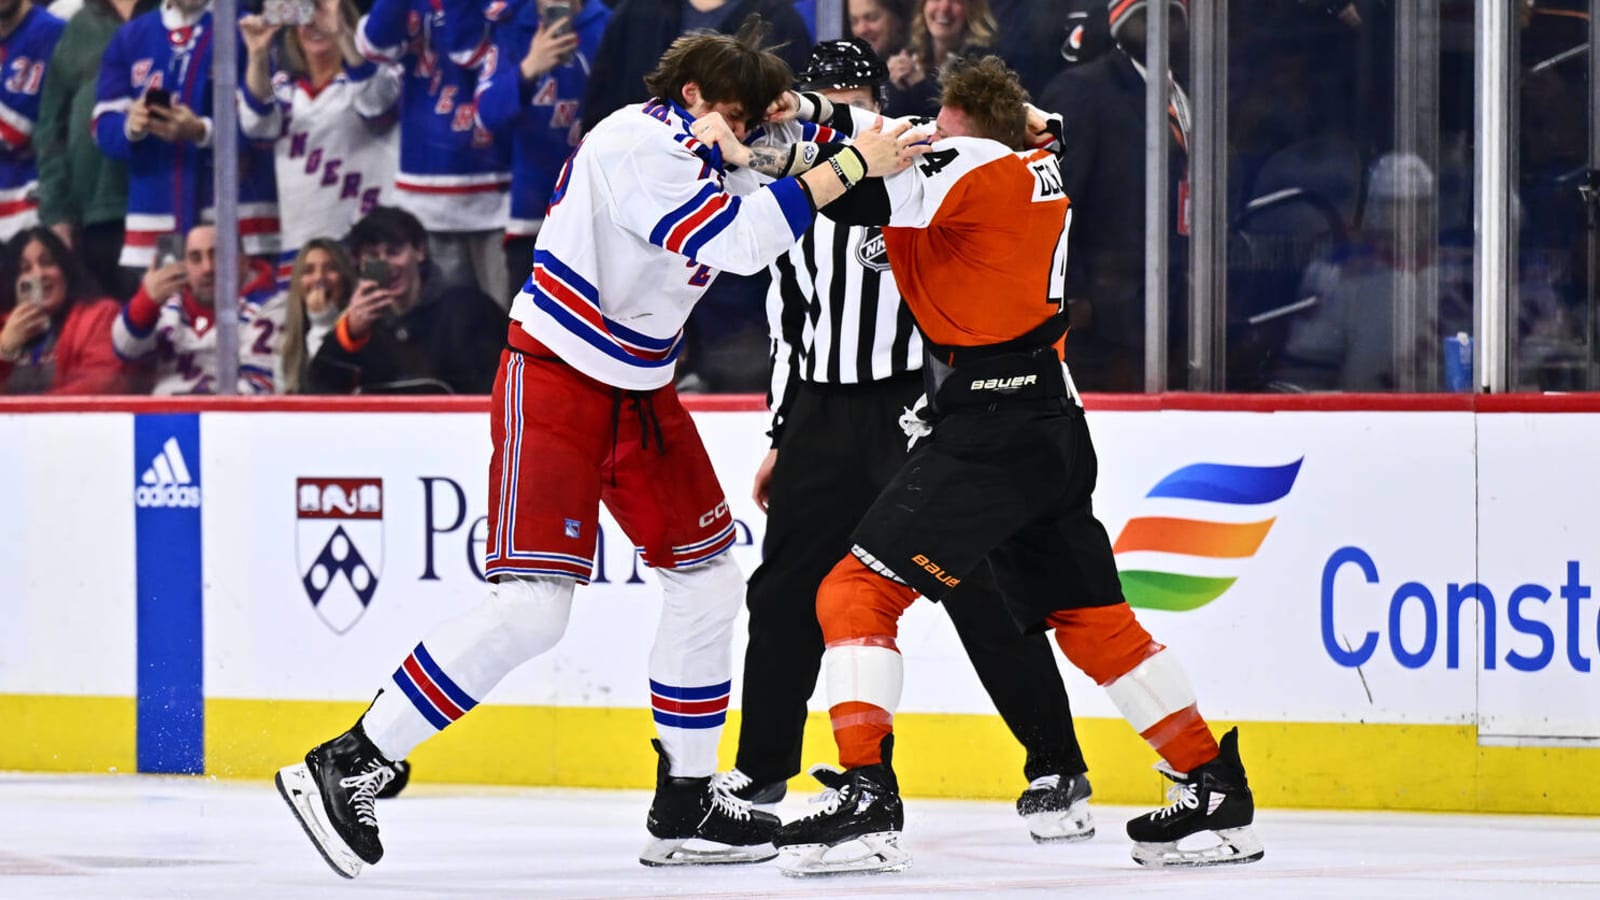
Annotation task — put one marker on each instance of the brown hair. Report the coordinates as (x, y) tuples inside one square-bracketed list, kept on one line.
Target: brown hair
[(991, 96), (736, 69), (296, 321), (981, 31), (294, 55)]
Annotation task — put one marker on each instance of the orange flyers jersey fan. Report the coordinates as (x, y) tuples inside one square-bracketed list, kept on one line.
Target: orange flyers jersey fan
[(977, 239)]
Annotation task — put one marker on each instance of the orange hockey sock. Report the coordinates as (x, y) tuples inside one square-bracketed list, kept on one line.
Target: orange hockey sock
[(1144, 678)]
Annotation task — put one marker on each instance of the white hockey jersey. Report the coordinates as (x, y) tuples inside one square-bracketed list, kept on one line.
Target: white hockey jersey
[(334, 149), (178, 336), (640, 222)]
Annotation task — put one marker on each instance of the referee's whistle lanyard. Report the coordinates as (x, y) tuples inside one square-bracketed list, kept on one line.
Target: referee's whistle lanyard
[(1181, 122)]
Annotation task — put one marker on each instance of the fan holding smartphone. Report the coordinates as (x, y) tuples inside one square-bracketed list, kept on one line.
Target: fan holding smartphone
[(539, 103), (553, 44), (158, 115)]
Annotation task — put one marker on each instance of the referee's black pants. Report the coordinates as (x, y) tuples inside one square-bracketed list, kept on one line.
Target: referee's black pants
[(840, 447)]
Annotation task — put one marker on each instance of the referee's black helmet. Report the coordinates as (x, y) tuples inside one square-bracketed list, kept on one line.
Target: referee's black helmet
[(842, 64)]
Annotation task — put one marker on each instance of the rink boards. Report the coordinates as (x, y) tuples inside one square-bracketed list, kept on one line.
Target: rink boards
[(1395, 602)]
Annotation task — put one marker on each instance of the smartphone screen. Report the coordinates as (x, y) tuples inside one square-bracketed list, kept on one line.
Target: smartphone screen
[(157, 97), (288, 12), (169, 249), (556, 18), (376, 270)]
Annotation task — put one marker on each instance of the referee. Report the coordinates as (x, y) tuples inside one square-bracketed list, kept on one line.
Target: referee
[(846, 363)]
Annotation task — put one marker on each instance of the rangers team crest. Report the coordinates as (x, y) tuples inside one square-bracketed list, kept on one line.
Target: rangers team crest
[(339, 545)]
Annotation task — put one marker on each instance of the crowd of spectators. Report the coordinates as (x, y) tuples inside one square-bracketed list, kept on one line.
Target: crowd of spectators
[(396, 158)]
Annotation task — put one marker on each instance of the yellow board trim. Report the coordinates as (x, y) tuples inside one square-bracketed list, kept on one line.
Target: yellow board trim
[(1436, 768), (48, 733)]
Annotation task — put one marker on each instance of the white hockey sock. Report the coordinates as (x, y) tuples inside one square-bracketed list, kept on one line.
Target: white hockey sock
[(460, 661), (691, 664)]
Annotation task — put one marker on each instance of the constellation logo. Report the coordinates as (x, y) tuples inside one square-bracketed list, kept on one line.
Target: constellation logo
[(166, 482), (339, 545), (1182, 562)]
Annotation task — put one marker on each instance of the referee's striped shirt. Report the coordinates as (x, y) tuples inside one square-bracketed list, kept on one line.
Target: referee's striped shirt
[(835, 315)]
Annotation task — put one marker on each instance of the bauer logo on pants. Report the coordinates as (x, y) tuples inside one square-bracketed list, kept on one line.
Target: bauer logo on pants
[(339, 545)]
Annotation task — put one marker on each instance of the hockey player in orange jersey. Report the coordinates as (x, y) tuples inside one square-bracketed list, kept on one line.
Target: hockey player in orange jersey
[(977, 236)]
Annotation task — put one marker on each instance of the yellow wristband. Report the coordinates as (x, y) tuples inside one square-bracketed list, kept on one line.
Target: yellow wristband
[(849, 165)]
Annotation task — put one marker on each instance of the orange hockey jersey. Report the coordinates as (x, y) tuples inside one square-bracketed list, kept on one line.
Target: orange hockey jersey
[(977, 239)]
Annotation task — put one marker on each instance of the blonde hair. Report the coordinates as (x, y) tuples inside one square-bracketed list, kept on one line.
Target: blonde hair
[(294, 55), (296, 319), (981, 32)]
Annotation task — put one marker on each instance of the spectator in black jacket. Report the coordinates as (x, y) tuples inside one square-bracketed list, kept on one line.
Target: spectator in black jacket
[(1102, 165), (641, 30), (404, 331), (1031, 34)]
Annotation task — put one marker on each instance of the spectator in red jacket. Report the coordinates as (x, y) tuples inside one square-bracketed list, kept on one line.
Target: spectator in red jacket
[(56, 337)]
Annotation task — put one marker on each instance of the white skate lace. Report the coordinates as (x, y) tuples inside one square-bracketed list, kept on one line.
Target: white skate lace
[(366, 787), (1045, 783), (1183, 796), (723, 796), (731, 781)]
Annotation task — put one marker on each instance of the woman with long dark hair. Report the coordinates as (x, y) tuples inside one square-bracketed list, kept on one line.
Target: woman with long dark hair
[(55, 334)]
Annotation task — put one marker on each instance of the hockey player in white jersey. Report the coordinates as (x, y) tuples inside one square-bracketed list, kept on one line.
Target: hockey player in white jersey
[(170, 322), (584, 412)]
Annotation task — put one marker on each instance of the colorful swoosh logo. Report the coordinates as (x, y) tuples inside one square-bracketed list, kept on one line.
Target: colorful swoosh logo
[(1231, 485)]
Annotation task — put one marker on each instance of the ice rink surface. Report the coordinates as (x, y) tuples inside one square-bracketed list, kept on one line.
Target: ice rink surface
[(147, 837)]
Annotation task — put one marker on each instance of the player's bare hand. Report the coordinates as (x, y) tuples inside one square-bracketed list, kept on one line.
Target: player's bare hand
[(761, 491), (370, 303), (166, 281), (784, 109), (551, 46), (889, 148), (26, 322), (712, 128), (1038, 126)]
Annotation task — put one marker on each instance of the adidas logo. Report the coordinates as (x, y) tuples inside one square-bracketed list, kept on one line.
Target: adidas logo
[(166, 482)]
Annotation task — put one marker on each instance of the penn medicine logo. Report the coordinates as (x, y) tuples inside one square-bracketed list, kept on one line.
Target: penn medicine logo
[(167, 482), (339, 545)]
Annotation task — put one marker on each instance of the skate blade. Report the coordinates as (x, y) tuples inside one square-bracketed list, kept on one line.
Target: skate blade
[(696, 852), (1237, 846), (299, 790), (869, 854), (1062, 826)]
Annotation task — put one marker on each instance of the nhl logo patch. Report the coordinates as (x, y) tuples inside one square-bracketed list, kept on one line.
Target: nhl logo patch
[(339, 545), (872, 252)]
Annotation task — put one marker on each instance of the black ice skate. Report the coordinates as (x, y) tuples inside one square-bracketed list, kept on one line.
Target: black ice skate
[(857, 829), (1214, 797), (764, 796), (1056, 808), (332, 794), (693, 824)]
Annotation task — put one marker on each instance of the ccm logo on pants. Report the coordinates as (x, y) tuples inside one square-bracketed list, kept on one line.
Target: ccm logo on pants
[(715, 514)]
